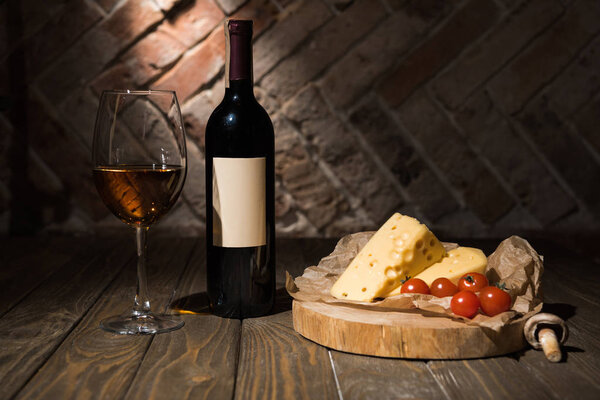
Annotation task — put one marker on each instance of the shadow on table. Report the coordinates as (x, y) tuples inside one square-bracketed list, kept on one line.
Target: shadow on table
[(564, 311), (198, 303)]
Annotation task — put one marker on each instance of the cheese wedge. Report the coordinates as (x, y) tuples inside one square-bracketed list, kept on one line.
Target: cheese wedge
[(402, 247), (455, 264)]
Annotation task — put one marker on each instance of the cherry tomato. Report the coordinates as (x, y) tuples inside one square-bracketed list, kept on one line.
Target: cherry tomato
[(414, 285), (465, 303), (494, 300), (472, 282), (443, 287)]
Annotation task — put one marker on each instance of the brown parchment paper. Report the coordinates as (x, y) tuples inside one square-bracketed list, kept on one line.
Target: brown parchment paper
[(514, 263)]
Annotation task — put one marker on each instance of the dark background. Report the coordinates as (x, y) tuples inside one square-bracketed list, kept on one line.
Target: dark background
[(478, 117)]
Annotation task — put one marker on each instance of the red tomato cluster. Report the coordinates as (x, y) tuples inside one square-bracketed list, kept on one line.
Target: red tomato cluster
[(465, 301)]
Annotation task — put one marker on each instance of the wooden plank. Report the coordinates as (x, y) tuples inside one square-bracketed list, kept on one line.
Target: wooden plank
[(197, 361), (26, 262), (91, 361), (364, 377), (14, 247), (30, 332), (491, 378), (574, 378), (577, 375), (276, 362)]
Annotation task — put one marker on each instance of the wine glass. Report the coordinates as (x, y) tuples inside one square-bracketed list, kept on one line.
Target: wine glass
[(139, 160)]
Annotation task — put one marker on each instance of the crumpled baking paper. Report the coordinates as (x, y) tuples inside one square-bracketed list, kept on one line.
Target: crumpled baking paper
[(514, 263)]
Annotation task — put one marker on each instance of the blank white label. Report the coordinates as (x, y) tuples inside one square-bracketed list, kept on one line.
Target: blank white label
[(239, 202)]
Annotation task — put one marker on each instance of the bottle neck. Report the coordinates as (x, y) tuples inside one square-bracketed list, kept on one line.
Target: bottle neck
[(238, 68), (240, 89)]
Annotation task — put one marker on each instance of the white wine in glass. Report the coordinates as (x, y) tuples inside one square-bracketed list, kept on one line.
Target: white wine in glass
[(139, 160)]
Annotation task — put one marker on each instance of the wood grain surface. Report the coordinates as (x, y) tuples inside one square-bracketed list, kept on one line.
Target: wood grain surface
[(30, 264), (581, 365), (55, 291), (197, 361), (275, 362), (492, 378), (31, 331), (92, 361), (362, 377)]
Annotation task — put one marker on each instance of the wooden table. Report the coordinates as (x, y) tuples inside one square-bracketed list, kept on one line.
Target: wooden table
[(54, 292)]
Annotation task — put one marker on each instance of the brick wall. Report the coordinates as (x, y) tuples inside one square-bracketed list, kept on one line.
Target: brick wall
[(479, 117)]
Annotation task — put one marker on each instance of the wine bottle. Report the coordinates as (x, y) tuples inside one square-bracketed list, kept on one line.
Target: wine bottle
[(240, 190)]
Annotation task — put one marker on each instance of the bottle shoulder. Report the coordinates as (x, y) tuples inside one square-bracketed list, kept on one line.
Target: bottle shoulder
[(239, 116), (239, 128)]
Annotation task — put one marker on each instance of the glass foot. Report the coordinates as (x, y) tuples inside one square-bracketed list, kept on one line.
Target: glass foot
[(146, 324)]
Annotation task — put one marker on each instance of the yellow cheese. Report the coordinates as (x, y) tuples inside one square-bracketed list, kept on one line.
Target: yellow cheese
[(401, 247), (454, 265)]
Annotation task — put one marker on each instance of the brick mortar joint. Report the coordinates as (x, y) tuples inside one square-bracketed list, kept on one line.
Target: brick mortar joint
[(333, 62), (110, 63), (572, 124), (192, 209), (54, 60), (294, 50), (371, 154), (353, 202), (479, 41), (578, 136), (541, 91), (422, 153), (431, 32), (209, 85), (488, 165), (520, 131), (57, 116), (97, 7), (296, 208)]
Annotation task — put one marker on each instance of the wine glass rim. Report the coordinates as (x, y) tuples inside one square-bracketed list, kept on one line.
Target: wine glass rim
[(138, 92)]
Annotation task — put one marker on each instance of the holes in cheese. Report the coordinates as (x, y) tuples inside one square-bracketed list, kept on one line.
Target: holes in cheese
[(398, 246), (391, 273)]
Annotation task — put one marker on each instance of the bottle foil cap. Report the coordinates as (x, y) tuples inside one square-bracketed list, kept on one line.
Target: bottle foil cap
[(240, 27)]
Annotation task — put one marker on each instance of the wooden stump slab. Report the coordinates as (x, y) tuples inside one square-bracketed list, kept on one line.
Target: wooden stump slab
[(407, 334)]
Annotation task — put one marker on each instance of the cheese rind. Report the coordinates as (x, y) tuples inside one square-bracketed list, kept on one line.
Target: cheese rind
[(401, 248), (455, 264)]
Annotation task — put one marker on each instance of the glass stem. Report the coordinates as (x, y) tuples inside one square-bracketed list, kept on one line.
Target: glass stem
[(142, 301)]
